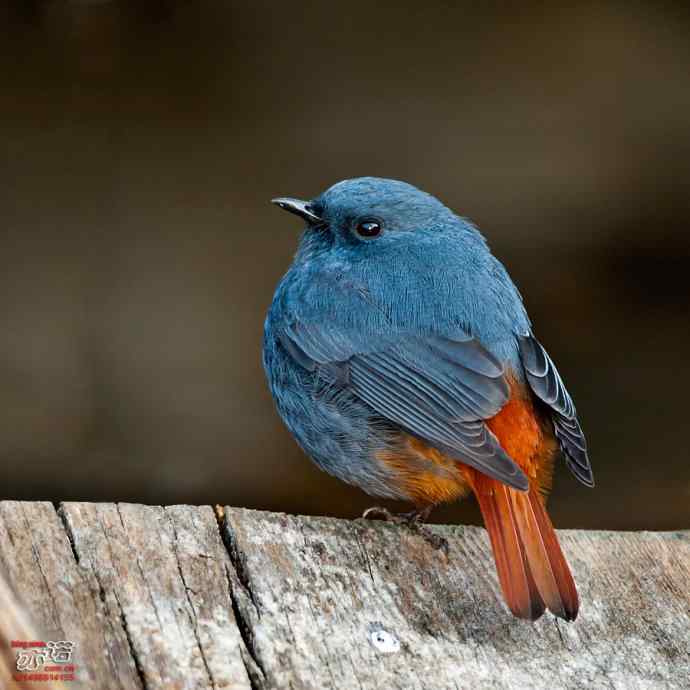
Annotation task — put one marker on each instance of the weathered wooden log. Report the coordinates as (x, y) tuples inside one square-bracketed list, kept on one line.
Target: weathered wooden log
[(182, 597)]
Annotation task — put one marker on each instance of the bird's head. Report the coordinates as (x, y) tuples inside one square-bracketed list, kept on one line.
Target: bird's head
[(372, 212), (410, 254)]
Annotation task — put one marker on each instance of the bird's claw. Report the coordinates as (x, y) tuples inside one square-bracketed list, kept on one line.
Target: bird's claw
[(413, 521), (380, 513)]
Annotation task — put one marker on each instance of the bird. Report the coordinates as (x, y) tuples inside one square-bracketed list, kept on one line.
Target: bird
[(400, 356)]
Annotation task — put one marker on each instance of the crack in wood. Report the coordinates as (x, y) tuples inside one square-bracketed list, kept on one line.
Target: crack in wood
[(239, 579), (237, 559), (59, 510), (193, 619), (560, 634), (48, 588), (102, 595), (140, 567), (138, 665), (366, 556), (248, 652)]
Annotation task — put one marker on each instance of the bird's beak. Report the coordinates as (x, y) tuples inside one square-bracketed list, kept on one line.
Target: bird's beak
[(298, 207)]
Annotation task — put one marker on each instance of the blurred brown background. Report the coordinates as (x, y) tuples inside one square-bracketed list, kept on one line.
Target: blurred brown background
[(141, 143)]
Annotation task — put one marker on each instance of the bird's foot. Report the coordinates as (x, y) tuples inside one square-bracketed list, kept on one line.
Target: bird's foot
[(414, 521)]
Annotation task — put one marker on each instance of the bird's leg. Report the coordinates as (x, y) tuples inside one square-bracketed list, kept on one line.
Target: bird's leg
[(416, 520), (413, 520)]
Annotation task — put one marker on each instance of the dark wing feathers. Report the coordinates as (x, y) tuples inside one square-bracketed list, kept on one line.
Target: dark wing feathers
[(438, 389), (469, 353), (548, 386), (432, 410)]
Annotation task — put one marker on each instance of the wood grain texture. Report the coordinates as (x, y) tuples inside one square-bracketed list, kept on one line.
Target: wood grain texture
[(63, 597), (17, 624), (177, 597), (323, 589)]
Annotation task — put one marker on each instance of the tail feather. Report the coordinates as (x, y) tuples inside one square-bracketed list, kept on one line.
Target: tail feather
[(531, 567), (518, 585), (560, 568)]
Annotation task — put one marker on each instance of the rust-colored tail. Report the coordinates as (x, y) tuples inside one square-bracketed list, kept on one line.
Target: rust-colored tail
[(532, 570)]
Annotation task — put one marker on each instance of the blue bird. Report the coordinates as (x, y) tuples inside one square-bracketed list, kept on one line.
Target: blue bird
[(400, 356)]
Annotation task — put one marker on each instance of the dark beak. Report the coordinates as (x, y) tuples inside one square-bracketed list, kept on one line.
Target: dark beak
[(298, 207)]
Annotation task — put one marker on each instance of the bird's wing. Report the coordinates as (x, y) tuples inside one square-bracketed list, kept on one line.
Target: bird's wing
[(436, 388), (548, 386)]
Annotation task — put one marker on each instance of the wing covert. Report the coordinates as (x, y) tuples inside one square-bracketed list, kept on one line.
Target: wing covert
[(439, 389)]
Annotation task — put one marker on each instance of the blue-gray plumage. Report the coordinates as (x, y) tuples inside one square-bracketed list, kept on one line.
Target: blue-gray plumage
[(396, 337)]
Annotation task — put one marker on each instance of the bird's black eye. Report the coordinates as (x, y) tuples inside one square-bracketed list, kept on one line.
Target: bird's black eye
[(368, 228)]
